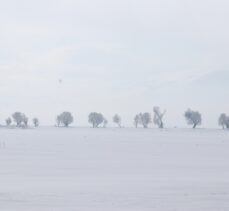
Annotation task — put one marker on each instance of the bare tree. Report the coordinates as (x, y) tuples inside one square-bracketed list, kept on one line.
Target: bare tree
[(95, 119), (224, 121), (145, 119), (158, 117), (18, 118), (8, 121), (117, 120), (193, 118), (65, 118), (36, 122), (137, 120)]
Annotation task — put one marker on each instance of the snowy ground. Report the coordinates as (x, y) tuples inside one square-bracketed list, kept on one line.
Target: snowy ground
[(85, 169)]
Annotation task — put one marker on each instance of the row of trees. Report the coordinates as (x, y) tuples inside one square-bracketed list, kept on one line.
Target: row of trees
[(193, 118), (21, 120)]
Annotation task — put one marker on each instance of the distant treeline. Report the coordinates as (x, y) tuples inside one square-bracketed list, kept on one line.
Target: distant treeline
[(193, 118)]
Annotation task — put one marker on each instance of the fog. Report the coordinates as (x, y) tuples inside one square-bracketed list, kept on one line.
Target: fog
[(113, 57)]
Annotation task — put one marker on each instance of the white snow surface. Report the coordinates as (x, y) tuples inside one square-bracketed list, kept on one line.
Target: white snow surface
[(113, 169)]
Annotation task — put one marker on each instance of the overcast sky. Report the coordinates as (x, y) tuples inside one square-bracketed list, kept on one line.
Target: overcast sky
[(114, 56)]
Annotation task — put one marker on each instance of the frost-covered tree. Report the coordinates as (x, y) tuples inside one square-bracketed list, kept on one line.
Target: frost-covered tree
[(137, 120), (224, 121), (117, 120), (105, 122), (158, 117), (25, 120), (8, 121), (227, 123), (65, 119), (35, 122), (58, 121), (193, 117), (18, 118), (145, 119), (95, 119)]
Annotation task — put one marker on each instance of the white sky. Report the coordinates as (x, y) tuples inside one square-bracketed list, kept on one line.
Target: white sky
[(114, 57)]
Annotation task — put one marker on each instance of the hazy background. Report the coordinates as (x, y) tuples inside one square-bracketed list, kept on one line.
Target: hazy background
[(114, 57)]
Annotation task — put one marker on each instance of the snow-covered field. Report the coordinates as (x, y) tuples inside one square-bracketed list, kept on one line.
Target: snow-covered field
[(85, 169)]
